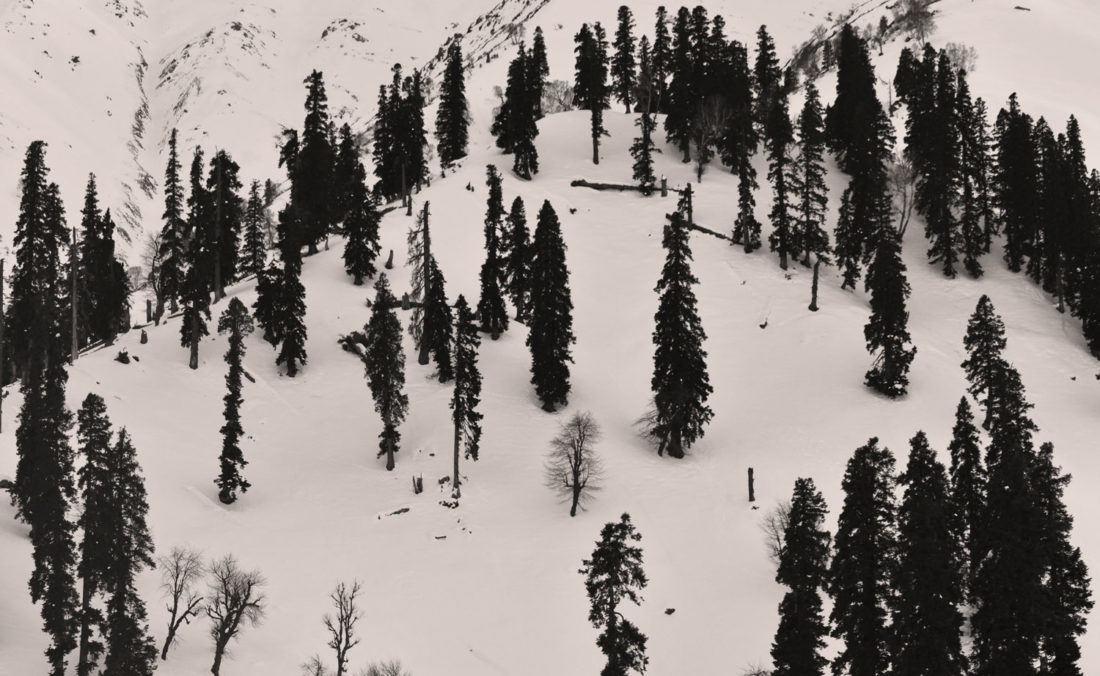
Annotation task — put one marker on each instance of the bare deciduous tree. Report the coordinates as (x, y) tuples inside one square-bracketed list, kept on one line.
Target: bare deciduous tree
[(557, 97), (181, 571), (711, 118), (234, 600), (572, 468), (903, 183), (314, 667), (916, 18), (775, 528), (963, 57), (342, 626), (389, 668), (150, 266)]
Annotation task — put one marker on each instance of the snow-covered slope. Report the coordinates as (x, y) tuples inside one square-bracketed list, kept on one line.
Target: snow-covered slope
[(491, 587)]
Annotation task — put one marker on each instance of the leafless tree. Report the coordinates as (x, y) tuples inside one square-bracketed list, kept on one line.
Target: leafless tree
[(181, 571), (342, 626), (572, 468), (710, 122), (775, 528), (755, 670), (234, 600), (903, 183), (916, 18), (557, 97), (150, 266), (314, 667), (963, 57), (389, 668)]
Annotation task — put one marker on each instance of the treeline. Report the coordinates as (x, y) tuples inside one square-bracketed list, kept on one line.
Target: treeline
[(982, 547)]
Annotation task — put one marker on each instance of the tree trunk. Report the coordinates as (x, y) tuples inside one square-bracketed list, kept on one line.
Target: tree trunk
[(74, 303), (194, 363), (159, 311), (168, 642), (456, 482), (389, 450), (219, 291), (425, 282), (83, 667), (219, 650), (813, 287), (595, 149)]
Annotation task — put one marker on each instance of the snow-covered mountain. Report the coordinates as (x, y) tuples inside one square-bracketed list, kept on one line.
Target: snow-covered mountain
[(491, 587)]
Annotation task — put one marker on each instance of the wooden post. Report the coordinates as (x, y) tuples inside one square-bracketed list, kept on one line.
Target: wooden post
[(664, 186), (687, 203), (148, 310), (752, 487), (389, 261)]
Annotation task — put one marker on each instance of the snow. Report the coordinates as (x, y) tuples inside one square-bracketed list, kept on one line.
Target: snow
[(500, 593)]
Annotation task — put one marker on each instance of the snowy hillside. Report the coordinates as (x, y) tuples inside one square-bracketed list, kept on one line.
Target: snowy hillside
[(491, 587)]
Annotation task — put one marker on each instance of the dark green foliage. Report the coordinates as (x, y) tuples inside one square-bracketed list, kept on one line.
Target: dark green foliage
[(313, 188), (612, 575), (451, 120), (887, 331), (973, 175), (936, 160), (985, 343), (227, 212), (514, 126), (778, 138), (538, 70), (767, 76), (292, 297), (254, 251), (343, 174), (863, 566), (968, 487), (849, 119), (662, 61), (104, 285), (400, 158), (1015, 183), (467, 392), (590, 90), (517, 265), (849, 242), (385, 362), (268, 301), (95, 481), (198, 280), (927, 622), (438, 320), (236, 322), (642, 152), (645, 90), (173, 235), (808, 182), (491, 309), (623, 67), (803, 569), (360, 229), (681, 95), (681, 384), (739, 144), (551, 325)]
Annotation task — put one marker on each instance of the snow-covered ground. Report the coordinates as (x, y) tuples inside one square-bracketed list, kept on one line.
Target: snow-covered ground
[(492, 586)]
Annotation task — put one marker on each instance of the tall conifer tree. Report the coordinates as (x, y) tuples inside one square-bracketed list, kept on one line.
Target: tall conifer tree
[(385, 362), (95, 481), (467, 392), (551, 325), (968, 488), (887, 330), (491, 309), (254, 251), (236, 322), (360, 230), (623, 67), (778, 139), (451, 120), (518, 263), (173, 234)]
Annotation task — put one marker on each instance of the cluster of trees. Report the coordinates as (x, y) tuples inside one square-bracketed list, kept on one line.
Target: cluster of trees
[(984, 542), (400, 141), (514, 125)]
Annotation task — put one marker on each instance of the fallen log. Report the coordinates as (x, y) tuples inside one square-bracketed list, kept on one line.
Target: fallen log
[(582, 183), (703, 229)]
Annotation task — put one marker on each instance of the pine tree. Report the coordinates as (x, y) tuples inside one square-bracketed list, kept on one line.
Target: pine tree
[(254, 251), (452, 117), (313, 189), (517, 266), (972, 168), (1068, 592), (413, 139), (130, 648), (491, 308), (386, 368), (864, 562), (195, 293), (739, 143), (96, 522), (382, 150), (343, 173), (662, 60), (681, 95), (419, 260), (1014, 184), (985, 343), (645, 91), (938, 169), (173, 235), (623, 67), (236, 322), (642, 152), (360, 230), (808, 182), (681, 384), (926, 618), (968, 488), (265, 309), (766, 76), (612, 575), (291, 295), (778, 138), (590, 91), (803, 569), (849, 118), (538, 71), (105, 288), (983, 172), (467, 392), (514, 126), (551, 325), (886, 332), (438, 320), (227, 212)]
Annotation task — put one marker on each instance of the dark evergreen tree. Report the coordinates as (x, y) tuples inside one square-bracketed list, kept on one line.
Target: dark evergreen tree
[(517, 265), (1068, 587), (343, 173), (972, 161), (681, 384), (383, 146), (642, 151), (386, 368), (491, 309), (803, 569), (982, 171), (927, 623), (173, 234), (551, 325), (1015, 183), (291, 295), (360, 230), (313, 188), (514, 126), (254, 251), (778, 138), (130, 647), (236, 322), (197, 282), (265, 309), (95, 482), (439, 333), (863, 566), (227, 212), (985, 343), (104, 285), (939, 172), (767, 77), (808, 184), (681, 95), (419, 261), (612, 575), (739, 143), (539, 71), (467, 392), (968, 487), (452, 116), (848, 119), (624, 76), (662, 60), (645, 91), (886, 332), (849, 242), (413, 137), (590, 90)]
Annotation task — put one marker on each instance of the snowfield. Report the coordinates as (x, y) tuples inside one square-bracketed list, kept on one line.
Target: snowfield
[(492, 587)]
